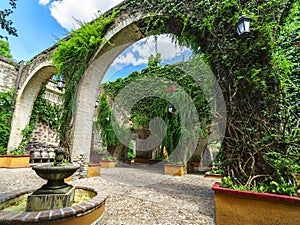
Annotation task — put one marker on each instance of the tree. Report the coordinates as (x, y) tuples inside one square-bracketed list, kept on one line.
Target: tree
[(4, 49), (5, 23)]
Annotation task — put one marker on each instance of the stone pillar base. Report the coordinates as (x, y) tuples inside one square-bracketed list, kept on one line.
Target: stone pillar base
[(41, 202)]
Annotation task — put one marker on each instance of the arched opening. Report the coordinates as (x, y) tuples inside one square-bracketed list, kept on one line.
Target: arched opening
[(25, 100), (122, 36)]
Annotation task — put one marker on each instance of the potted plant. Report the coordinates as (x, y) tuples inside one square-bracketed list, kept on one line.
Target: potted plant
[(15, 159), (108, 162), (214, 173), (195, 160), (142, 159), (174, 168), (94, 169)]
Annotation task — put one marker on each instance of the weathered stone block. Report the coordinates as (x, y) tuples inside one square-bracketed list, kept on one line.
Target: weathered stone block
[(40, 202)]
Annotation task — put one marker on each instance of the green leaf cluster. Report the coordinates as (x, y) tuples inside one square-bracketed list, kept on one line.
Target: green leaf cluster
[(150, 107), (5, 117), (4, 49), (71, 58), (43, 112)]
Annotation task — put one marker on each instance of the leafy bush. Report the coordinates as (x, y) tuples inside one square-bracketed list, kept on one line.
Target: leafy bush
[(5, 116)]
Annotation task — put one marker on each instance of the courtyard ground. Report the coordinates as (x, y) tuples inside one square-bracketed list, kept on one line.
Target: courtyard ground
[(138, 194)]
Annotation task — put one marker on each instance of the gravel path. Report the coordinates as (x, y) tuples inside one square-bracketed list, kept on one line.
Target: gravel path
[(137, 195)]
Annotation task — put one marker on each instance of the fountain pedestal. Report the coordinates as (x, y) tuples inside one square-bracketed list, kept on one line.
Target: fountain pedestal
[(55, 194), (40, 202)]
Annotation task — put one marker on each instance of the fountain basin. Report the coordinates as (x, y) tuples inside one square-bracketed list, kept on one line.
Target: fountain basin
[(58, 172), (55, 176), (88, 208)]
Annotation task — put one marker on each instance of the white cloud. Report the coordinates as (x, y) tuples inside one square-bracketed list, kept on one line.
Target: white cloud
[(64, 11), (44, 2), (140, 51)]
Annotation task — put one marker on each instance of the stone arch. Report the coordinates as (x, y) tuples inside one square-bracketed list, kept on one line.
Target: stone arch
[(26, 96), (122, 35)]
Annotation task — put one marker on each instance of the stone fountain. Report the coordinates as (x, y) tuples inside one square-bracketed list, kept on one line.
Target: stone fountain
[(55, 193), (56, 202)]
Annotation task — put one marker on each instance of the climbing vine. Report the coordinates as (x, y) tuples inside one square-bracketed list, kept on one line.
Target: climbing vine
[(252, 73), (43, 112), (151, 107), (104, 123), (71, 58), (5, 117)]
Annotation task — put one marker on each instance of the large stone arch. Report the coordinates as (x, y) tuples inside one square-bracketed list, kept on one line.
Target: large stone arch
[(122, 34), (25, 98)]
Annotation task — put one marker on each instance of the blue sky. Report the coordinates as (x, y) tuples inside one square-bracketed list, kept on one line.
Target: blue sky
[(40, 23)]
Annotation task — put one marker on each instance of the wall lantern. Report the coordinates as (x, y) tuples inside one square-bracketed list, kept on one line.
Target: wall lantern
[(60, 83), (243, 26), (96, 103), (170, 109)]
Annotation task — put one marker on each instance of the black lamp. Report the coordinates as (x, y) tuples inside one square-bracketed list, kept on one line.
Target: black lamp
[(243, 26), (170, 109)]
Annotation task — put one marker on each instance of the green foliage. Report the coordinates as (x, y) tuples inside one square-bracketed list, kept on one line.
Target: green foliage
[(216, 171), (5, 23), (46, 112), (4, 49), (43, 112), (150, 107), (71, 58), (110, 158), (258, 75), (5, 116), (104, 122), (131, 154)]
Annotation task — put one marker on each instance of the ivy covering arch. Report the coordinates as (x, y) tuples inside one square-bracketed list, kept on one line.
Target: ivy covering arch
[(261, 141)]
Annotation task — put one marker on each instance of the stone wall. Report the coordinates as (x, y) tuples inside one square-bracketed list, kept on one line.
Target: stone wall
[(8, 74), (42, 144), (45, 140)]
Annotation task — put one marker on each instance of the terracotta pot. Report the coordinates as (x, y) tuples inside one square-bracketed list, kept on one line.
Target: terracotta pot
[(14, 161), (94, 170), (246, 207), (141, 160), (196, 163), (174, 169), (107, 163), (211, 175)]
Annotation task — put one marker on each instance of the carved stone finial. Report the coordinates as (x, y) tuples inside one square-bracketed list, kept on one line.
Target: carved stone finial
[(60, 155)]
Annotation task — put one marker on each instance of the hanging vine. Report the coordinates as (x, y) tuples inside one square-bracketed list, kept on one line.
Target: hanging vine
[(252, 80), (71, 58), (151, 107)]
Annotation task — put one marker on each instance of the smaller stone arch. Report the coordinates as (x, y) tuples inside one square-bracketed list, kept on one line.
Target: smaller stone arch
[(25, 99)]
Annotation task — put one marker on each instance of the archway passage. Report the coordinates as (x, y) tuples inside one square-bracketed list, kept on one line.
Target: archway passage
[(26, 96), (122, 35)]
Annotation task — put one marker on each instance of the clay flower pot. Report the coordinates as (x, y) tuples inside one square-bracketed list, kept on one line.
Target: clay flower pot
[(247, 207)]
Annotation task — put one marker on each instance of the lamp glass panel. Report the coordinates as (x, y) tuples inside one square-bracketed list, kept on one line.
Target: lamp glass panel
[(247, 25), (241, 28)]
